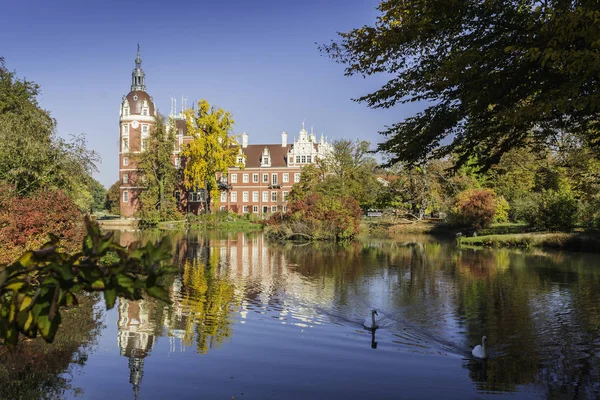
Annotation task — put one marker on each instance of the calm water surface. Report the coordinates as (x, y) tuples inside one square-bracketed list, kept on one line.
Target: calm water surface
[(253, 320)]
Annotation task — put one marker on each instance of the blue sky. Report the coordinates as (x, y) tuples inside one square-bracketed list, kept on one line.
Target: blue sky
[(257, 59)]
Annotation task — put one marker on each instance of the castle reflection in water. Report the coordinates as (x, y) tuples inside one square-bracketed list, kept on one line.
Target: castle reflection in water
[(219, 275)]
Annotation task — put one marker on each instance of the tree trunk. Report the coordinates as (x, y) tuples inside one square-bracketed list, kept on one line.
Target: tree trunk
[(208, 198), (161, 192)]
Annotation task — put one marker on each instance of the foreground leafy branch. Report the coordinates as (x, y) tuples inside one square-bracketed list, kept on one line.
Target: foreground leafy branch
[(34, 288)]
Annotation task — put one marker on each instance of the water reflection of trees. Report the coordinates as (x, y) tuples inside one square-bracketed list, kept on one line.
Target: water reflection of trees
[(38, 370), (201, 307), (540, 311)]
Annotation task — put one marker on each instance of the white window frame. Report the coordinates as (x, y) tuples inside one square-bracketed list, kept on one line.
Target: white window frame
[(255, 209), (125, 196), (245, 197), (125, 129), (223, 196), (286, 177), (255, 178), (233, 178), (245, 178), (265, 197), (233, 196), (246, 209), (273, 208), (274, 197), (145, 129), (265, 178), (284, 196), (125, 144), (125, 161), (254, 196), (273, 179), (296, 177), (125, 179)]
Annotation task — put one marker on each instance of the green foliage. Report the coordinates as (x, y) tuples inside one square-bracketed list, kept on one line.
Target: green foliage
[(38, 370), (212, 149), (559, 241), (348, 171), (113, 197), (32, 157), (556, 211), (98, 192), (495, 75), (35, 288), (158, 174), (475, 208), (524, 209), (502, 209), (589, 212)]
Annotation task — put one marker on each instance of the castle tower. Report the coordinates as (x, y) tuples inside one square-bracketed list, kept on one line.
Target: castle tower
[(137, 114)]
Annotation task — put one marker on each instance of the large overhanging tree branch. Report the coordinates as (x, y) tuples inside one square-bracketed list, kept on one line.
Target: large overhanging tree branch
[(493, 75)]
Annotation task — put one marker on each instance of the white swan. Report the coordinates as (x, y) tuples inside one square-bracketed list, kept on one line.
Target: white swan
[(480, 351), (370, 322)]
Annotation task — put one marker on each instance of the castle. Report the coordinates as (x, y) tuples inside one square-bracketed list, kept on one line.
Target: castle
[(261, 187)]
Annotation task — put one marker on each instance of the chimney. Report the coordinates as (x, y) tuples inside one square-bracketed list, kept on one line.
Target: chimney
[(283, 139), (244, 140)]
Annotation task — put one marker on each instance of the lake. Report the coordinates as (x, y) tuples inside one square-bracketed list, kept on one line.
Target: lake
[(255, 320)]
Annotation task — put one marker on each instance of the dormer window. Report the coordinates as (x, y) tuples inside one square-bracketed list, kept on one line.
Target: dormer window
[(145, 111), (265, 160)]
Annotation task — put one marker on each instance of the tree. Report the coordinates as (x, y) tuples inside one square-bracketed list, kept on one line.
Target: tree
[(98, 195), (349, 171), (494, 75), (113, 198), (31, 155), (158, 174), (475, 208), (211, 150)]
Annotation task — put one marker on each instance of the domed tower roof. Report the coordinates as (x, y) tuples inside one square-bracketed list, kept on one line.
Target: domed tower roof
[(138, 99)]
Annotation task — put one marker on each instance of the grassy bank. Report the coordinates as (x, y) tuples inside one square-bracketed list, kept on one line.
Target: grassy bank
[(560, 241), (235, 226), (386, 226)]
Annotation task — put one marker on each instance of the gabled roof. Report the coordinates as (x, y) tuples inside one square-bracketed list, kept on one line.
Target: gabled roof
[(254, 152)]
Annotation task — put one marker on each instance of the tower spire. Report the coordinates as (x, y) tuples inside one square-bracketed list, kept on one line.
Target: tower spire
[(138, 76)]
